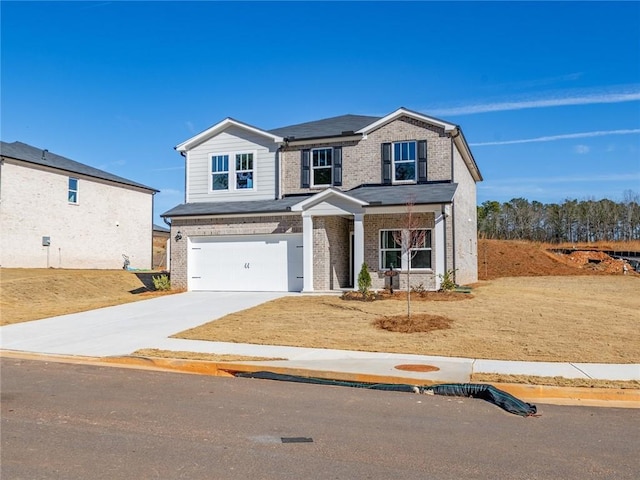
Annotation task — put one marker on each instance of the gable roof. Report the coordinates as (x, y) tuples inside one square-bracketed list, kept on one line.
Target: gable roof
[(327, 127), (220, 127), (401, 112), (38, 156)]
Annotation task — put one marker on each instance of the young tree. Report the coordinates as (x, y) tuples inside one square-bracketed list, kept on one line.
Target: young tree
[(410, 238)]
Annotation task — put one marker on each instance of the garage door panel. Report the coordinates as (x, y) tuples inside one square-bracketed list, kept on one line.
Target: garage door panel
[(246, 263)]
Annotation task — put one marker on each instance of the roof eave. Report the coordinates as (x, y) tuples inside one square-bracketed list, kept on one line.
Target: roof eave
[(220, 127), (448, 127)]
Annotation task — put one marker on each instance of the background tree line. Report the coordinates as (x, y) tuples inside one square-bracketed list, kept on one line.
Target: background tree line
[(570, 221)]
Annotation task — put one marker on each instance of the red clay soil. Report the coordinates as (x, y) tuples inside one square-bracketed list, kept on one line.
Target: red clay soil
[(512, 258)]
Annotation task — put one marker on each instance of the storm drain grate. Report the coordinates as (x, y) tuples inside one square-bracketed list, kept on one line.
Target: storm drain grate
[(296, 440)]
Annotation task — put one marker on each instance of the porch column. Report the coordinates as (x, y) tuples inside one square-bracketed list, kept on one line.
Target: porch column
[(307, 252), (358, 246)]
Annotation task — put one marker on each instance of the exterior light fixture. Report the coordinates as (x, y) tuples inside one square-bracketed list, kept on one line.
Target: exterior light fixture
[(178, 236)]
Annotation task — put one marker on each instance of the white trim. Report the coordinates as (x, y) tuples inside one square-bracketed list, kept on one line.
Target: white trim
[(77, 190), (307, 253), (220, 127), (393, 163), (233, 215), (448, 127), (312, 168), (419, 208), (231, 172), (405, 254), (322, 196)]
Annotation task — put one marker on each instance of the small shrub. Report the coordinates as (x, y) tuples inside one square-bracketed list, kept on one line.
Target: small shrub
[(447, 284), (161, 283), (420, 288), (364, 281)]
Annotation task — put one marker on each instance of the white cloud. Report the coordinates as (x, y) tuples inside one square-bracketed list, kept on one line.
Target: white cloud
[(581, 149), (566, 136), (624, 94)]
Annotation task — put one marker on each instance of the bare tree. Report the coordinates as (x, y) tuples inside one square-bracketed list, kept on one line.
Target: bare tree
[(410, 238)]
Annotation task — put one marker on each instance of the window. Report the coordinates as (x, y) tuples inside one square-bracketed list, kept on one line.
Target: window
[(220, 172), (394, 251), (244, 170), (404, 161), (72, 194), (321, 166), (232, 171), (390, 249)]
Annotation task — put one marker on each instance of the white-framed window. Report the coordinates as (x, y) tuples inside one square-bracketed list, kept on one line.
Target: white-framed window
[(232, 171), (219, 172), (244, 171), (72, 193), (321, 166), (405, 249), (404, 161)]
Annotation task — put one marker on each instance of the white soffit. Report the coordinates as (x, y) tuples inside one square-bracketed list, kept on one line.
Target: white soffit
[(220, 127), (326, 196), (448, 127)]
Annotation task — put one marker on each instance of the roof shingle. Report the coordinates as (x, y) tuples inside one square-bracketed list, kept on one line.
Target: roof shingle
[(28, 153)]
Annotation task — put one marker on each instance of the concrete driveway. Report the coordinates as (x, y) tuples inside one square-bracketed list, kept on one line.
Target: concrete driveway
[(122, 329)]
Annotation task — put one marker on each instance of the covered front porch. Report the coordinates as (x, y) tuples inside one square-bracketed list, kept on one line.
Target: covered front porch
[(341, 232)]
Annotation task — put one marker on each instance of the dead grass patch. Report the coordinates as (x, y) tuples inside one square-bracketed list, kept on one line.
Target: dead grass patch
[(590, 319), (207, 357), (35, 293), (415, 323), (554, 381)]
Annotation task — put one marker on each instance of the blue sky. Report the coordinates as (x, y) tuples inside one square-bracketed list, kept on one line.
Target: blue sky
[(547, 93)]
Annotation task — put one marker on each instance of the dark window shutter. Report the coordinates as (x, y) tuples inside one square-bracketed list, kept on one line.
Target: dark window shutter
[(386, 163), (422, 161), (337, 166), (305, 161)]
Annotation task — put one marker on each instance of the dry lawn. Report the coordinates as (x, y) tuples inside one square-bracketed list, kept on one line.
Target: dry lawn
[(567, 318), (31, 294)]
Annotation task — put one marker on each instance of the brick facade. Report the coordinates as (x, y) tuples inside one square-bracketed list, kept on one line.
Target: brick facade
[(361, 165), (211, 227), (361, 161)]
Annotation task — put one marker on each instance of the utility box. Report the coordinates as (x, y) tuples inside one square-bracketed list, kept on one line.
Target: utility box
[(46, 241)]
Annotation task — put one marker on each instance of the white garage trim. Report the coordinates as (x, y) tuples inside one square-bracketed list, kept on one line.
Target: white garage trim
[(259, 263)]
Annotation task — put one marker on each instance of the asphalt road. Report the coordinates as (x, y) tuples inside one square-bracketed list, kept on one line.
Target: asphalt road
[(64, 421)]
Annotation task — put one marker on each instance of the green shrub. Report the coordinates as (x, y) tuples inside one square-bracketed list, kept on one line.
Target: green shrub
[(447, 283), (161, 283), (364, 281)]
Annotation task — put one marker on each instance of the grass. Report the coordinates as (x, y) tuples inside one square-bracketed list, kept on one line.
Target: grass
[(591, 319), (35, 293), (554, 381), (207, 357)]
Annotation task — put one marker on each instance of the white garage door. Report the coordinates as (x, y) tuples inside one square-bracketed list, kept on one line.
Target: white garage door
[(259, 263)]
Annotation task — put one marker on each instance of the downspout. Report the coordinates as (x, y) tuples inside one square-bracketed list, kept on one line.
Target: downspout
[(453, 210)]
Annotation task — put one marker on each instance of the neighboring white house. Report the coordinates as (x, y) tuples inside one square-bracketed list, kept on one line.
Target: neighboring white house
[(301, 208), (58, 213)]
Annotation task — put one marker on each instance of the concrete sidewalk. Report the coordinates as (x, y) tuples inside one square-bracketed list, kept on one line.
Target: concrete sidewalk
[(120, 330)]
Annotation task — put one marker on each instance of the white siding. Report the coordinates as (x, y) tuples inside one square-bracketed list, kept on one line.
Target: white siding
[(465, 222), (108, 221), (232, 140)]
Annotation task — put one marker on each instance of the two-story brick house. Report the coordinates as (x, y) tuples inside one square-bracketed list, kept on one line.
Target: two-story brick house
[(301, 208)]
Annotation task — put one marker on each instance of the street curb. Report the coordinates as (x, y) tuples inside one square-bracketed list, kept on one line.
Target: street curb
[(601, 397)]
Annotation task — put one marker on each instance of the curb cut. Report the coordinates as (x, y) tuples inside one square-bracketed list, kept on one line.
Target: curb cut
[(577, 396)]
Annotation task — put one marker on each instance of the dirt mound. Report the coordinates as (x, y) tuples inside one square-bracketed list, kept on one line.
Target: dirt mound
[(512, 258)]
